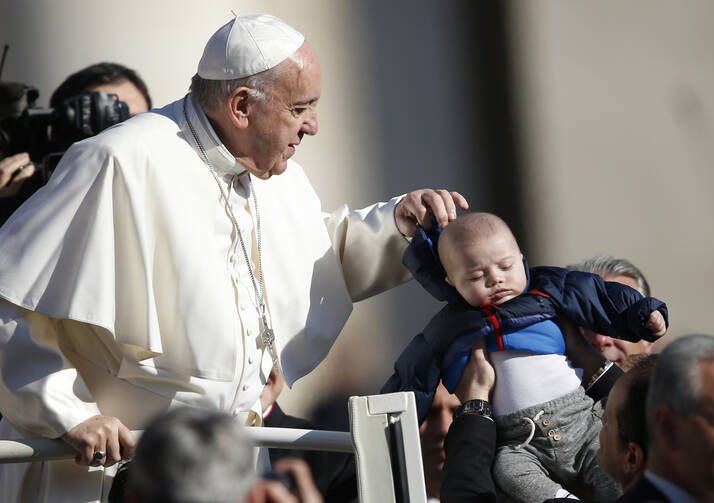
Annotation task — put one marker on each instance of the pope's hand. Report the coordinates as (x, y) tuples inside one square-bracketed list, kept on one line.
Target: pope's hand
[(415, 207), (104, 434)]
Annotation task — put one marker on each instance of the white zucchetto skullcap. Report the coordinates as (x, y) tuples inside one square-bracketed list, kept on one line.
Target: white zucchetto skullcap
[(247, 45)]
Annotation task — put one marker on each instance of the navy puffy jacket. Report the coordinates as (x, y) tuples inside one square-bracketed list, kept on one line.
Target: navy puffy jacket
[(586, 299)]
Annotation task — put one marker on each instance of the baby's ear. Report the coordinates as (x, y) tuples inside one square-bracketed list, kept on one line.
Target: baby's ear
[(446, 278)]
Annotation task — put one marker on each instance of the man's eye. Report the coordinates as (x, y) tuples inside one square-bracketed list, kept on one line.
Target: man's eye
[(506, 267), (477, 278), (299, 110)]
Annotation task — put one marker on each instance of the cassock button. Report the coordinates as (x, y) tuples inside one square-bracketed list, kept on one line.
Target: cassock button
[(241, 307), (246, 386), (250, 331), (251, 359)]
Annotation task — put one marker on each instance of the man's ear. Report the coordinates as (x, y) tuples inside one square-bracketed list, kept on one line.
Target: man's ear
[(667, 428), (634, 463), (240, 105), (448, 281)]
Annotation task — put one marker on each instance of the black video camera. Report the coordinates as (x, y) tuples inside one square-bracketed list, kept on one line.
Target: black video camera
[(46, 133)]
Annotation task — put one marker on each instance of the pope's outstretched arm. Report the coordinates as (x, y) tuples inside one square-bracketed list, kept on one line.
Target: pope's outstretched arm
[(370, 242)]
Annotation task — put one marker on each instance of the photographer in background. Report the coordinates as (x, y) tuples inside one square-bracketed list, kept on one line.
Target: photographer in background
[(112, 78), (19, 176)]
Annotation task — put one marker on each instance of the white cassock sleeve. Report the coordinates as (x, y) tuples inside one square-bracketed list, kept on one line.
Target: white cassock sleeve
[(40, 390), (370, 248)]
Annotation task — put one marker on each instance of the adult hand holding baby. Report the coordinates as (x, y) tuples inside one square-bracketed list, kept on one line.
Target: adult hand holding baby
[(478, 377)]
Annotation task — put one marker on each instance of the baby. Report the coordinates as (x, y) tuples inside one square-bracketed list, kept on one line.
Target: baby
[(545, 422)]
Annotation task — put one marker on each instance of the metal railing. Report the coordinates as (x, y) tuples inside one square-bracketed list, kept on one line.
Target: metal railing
[(37, 449), (384, 436)]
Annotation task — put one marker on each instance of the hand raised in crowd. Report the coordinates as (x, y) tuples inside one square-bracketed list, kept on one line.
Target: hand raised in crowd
[(478, 377), (14, 170), (103, 434), (271, 491), (655, 324), (416, 206)]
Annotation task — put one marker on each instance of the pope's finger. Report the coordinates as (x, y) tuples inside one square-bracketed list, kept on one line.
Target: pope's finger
[(448, 203), (413, 206), (113, 450), (460, 200), (127, 442), (433, 201)]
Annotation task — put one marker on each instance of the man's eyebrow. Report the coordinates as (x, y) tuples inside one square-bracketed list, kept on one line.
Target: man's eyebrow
[(305, 102)]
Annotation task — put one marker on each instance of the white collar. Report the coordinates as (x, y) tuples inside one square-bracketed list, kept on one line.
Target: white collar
[(221, 160), (669, 489)]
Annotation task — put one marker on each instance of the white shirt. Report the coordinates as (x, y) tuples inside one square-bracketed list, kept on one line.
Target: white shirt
[(526, 379)]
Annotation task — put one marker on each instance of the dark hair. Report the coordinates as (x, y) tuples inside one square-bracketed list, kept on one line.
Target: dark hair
[(631, 420), (94, 75)]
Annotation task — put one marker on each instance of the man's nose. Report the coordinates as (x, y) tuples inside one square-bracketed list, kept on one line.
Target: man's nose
[(310, 125), (445, 419), (599, 341)]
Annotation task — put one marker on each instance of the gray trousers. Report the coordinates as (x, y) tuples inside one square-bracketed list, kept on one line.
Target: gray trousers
[(563, 447)]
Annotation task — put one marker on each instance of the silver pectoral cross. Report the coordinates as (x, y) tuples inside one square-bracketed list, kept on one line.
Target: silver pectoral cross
[(268, 338)]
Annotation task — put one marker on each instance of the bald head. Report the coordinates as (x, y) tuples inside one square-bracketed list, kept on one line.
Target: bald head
[(468, 228), (482, 259)]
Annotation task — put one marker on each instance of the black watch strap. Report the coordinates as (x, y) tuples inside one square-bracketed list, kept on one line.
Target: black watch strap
[(479, 407)]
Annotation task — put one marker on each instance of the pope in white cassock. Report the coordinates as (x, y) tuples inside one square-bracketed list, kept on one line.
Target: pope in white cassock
[(176, 258)]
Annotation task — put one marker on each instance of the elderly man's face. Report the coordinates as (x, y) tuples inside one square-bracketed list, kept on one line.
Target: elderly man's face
[(278, 125), (616, 350)]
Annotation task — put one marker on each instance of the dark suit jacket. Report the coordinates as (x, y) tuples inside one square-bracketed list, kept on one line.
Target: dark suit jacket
[(334, 472), (643, 492), (470, 449)]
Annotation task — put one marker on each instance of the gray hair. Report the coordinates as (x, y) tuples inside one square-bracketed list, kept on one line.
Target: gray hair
[(677, 379), (212, 94), (607, 266), (193, 455)]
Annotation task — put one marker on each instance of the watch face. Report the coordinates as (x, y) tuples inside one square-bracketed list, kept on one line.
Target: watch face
[(480, 407)]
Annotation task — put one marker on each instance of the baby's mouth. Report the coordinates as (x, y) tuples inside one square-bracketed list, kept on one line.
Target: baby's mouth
[(500, 294)]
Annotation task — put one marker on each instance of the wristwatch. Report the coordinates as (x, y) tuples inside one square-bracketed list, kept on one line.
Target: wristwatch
[(478, 407)]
